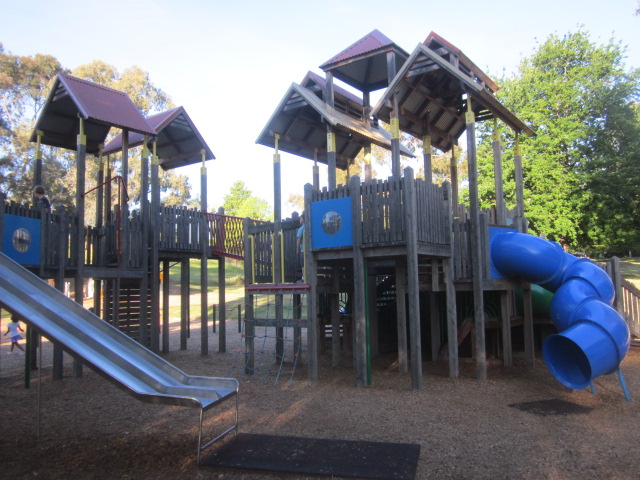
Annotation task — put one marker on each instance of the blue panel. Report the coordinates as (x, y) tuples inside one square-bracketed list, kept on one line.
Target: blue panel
[(21, 239), (331, 223)]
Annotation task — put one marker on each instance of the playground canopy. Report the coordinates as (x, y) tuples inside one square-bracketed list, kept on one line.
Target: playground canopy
[(101, 107), (178, 141), (432, 88)]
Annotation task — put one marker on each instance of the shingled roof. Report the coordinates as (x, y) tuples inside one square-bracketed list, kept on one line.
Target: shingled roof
[(301, 119), (363, 65), (101, 107), (178, 142), (432, 96)]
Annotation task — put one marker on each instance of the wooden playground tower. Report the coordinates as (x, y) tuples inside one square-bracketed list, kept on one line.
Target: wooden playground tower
[(407, 228), (122, 251)]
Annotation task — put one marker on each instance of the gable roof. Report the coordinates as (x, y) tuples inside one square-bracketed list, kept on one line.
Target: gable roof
[(343, 100), (101, 107), (178, 142), (301, 119), (453, 54), (432, 99), (363, 65)]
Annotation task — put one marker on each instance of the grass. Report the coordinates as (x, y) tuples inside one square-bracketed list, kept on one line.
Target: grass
[(630, 268)]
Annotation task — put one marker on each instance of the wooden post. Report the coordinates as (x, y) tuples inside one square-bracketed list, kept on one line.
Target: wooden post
[(124, 205), (63, 235), (616, 277), (81, 154), (184, 303), (401, 314), (505, 311), (426, 155), (144, 264), (222, 318), (453, 169), (310, 269), (519, 180), (166, 284), (331, 136), (359, 317), (222, 294), (154, 226), (204, 274), (434, 321), (334, 300), (529, 352), (501, 214), (316, 170), (249, 326), (277, 253), (366, 117), (476, 245), (411, 233), (395, 123)]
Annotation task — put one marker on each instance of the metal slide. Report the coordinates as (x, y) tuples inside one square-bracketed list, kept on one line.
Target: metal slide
[(117, 357), (593, 337)]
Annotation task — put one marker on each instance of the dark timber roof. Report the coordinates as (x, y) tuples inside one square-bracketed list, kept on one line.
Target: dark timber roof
[(432, 95), (363, 65), (101, 107), (343, 100), (301, 119), (178, 141)]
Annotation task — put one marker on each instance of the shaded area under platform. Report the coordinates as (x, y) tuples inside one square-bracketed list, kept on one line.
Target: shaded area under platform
[(312, 456)]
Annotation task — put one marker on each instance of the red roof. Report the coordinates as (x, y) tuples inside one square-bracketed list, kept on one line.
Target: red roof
[(369, 43), (104, 104)]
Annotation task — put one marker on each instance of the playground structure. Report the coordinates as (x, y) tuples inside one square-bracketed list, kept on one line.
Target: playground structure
[(416, 232), (408, 235)]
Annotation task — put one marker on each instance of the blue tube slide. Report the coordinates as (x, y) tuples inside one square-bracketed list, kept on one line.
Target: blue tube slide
[(593, 338)]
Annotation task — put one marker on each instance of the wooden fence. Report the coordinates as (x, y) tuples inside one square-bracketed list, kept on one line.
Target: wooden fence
[(631, 307), (383, 211)]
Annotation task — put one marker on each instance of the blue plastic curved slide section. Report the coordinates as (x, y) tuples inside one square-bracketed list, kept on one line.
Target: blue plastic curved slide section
[(593, 337)]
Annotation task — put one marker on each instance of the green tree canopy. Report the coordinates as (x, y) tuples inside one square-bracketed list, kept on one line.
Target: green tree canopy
[(581, 185), (240, 202)]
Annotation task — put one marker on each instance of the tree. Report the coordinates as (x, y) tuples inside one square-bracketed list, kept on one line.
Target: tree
[(240, 202), (580, 100)]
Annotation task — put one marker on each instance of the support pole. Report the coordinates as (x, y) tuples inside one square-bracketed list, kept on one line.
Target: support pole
[(204, 274), (426, 155), (476, 248), (411, 232), (81, 153), (501, 210), (144, 316), (517, 164), (154, 225)]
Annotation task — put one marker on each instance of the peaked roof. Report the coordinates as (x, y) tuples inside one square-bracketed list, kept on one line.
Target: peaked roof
[(101, 107), (301, 119), (178, 142), (343, 100), (431, 94), (450, 52), (363, 65)]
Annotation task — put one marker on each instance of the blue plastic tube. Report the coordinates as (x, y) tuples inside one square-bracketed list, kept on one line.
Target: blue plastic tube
[(593, 337)]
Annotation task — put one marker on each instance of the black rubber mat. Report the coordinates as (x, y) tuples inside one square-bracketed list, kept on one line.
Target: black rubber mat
[(312, 456), (554, 406)]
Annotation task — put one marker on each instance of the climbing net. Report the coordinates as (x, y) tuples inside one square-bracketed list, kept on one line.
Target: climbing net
[(271, 342)]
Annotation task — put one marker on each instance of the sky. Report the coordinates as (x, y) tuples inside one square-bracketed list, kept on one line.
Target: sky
[(229, 64)]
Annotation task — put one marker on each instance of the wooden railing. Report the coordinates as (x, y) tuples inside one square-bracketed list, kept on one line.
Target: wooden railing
[(631, 306), (383, 211)]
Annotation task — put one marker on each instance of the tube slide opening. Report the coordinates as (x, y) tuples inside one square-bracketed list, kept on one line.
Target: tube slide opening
[(567, 362)]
